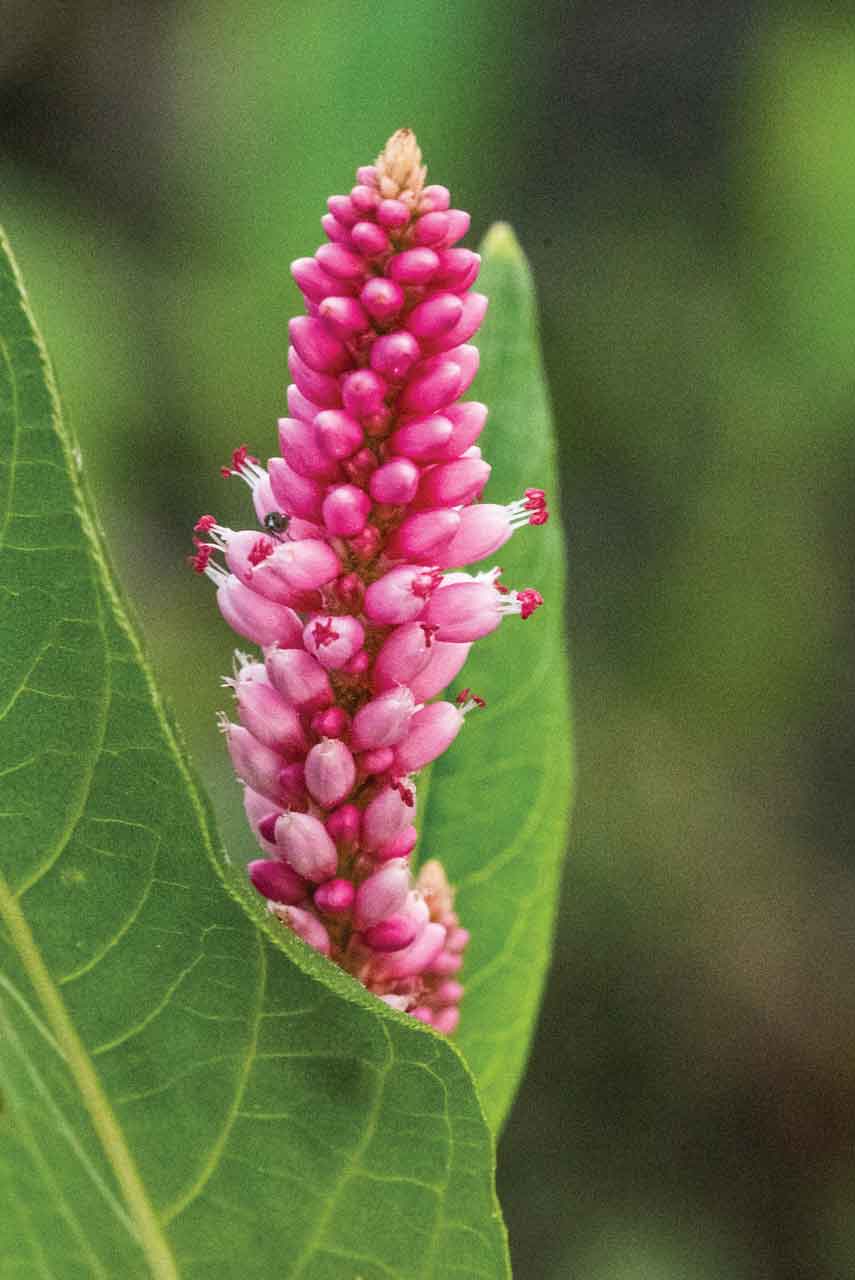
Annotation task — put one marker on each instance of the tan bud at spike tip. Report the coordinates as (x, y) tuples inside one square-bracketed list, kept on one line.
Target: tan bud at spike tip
[(400, 172), (433, 883)]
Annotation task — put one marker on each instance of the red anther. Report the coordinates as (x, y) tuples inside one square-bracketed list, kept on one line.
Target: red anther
[(240, 457), (204, 524), (535, 501), (429, 632), (201, 558), (479, 702), (406, 793), (461, 697), (426, 583), (530, 600), (260, 551), (324, 633)]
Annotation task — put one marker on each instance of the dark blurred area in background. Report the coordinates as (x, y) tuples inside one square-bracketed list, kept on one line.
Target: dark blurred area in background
[(683, 178)]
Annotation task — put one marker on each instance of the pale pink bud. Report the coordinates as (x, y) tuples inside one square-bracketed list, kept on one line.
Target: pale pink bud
[(338, 434), (395, 482), (413, 266), (436, 316), (296, 495), (445, 964), (277, 881), (369, 239), (345, 824), (364, 197), (435, 383), (300, 448), (344, 315), (394, 354), (453, 484), (377, 761), (345, 510), (299, 677), (387, 815), (423, 534), (317, 346), (401, 594), (457, 270), (306, 926), (303, 565), (483, 529), (363, 392), (313, 281), (333, 640), (403, 654), (467, 420), (464, 611), (422, 1013), (299, 406), (415, 958), (382, 298), (392, 934), (305, 843), (401, 847), (445, 662), (424, 439), (342, 208), (321, 388), (393, 214), (251, 615), (382, 894), (335, 896), (256, 764), (458, 939), (458, 225), (449, 992), (270, 719), (367, 175), (383, 721), (336, 230), (431, 731), (434, 197), (334, 722), (446, 1020), (431, 228), (330, 772), (340, 262), (258, 809)]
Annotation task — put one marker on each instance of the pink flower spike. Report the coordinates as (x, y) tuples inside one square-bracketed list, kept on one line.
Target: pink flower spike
[(330, 772), (382, 894), (277, 881), (383, 721), (395, 482), (307, 846), (423, 534), (345, 510), (432, 730), (335, 897), (333, 640), (299, 677), (400, 595), (305, 925)]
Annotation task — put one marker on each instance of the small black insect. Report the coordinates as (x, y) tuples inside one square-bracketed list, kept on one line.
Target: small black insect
[(276, 523)]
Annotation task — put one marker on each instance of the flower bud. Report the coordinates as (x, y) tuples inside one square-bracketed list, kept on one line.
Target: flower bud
[(382, 894), (330, 772), (333, 640), (431, 731), (383, 721), (307, 846), (277, 881), (299, 677)]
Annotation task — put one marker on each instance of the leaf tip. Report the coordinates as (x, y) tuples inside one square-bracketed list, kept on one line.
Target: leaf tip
[(501, 242)]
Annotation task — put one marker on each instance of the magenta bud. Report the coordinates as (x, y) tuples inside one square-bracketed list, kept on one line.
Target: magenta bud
[(295, 494), (251, 615), (377, 761), (277, 881), (306, 926), (395, 482), (383, 721), (366, 175), (299, 447), (392, 934), (292, 781), (434, 385), (464, 611), (431, 228), (358, 664), (445, 964), (346, 509), (467, 358), (333, 640), (446, 1020), (387, 815), (431, 731), (340, 262), (300, 407), (467, 421), (433, 198), (436, 316), (299, 677), (449, 992), (307, 846), (313, 281), (343, 210), (266, 827), (403, 654), (458, 225), (344, 824), (338, 434), (330, 772), (322, 388), (335, 896), (483, 529), (445, 662), (457, 940), (413, 266), (453, 484), (345, 315), (382, 298), (422, 534), (394, 354), (270, 719), (255, 763), (370, 239), (364, 197), (350, 590), (363, 392), (474, 310), (415, 958), (336, 231), (457, 270), (424, 439), (334, 722), (401, 847), (401, 594), (317, 346), (382, 894), (393, 214)]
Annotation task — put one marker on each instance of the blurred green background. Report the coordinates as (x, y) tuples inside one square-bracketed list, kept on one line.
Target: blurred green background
[(683, 178)]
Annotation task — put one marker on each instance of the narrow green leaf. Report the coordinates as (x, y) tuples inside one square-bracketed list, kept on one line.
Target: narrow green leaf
[(499, 799), (184, 1093)]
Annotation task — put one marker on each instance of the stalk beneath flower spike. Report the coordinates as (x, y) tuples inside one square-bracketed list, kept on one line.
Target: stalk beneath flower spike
[(354, 585)]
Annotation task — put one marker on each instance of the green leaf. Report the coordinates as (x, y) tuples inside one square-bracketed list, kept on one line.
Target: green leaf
[(499, 799), (184, 1092)]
